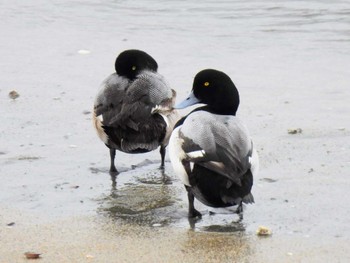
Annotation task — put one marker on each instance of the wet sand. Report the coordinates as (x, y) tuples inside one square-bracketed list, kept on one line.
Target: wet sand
[(92, 239), (143, 219), (290, 64)]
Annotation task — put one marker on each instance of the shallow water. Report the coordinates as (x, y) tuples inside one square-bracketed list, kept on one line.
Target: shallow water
[(290, 61)]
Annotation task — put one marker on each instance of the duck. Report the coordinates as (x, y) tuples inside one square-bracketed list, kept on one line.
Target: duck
[(133, 109), (210, 149)]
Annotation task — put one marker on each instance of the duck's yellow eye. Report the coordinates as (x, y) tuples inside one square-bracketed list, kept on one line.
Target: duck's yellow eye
[(133, 67), (206, 83)]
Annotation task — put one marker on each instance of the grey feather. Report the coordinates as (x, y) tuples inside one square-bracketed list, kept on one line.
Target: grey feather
[(223, 138), (144, 93), (110, 97)]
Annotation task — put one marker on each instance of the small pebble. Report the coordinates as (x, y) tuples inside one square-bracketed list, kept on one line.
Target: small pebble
[(31, 255), (263, 231), (13, 94), (295, 131)]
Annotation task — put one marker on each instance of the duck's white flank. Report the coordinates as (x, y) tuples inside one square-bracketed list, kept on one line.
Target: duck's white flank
[(98, 126), (176, 155), (254, 162)]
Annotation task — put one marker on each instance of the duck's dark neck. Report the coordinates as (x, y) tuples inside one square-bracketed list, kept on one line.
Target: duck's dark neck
[(219, 110)]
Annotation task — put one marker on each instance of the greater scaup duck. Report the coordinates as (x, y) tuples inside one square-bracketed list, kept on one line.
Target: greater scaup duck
[(133, 110), (210, 149)]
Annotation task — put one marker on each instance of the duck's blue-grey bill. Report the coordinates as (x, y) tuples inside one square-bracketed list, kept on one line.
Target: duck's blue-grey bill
[(191, 100)]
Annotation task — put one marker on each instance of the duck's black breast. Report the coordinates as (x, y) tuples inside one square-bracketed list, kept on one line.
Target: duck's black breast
[(215, 190)]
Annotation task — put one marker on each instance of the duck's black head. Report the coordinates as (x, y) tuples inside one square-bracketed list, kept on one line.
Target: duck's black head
[(131, 62), (215, 89)]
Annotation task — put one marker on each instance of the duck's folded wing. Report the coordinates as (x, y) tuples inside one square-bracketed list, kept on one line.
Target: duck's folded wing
[(110, 96), (223, 147), (147, 92), (151, 88), (132, 115)]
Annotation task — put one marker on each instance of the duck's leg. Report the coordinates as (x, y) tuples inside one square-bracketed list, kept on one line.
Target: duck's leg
[(112, 169), (162, 155), (239, 209), (192, 212)]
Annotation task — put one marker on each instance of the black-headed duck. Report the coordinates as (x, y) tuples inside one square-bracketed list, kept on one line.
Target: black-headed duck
[(133, 111), (210, 149)]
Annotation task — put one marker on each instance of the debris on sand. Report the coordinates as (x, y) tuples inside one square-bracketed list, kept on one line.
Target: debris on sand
[(31, 255), (268, 180), (13, 94), (295, 131), (28, 158), (84, 52), (263, 231)]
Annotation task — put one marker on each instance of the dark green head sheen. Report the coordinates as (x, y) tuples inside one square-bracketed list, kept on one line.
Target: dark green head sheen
[(131, 62)]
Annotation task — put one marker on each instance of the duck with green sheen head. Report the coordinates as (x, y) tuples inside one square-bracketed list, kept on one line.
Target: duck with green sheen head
[(210, 149)]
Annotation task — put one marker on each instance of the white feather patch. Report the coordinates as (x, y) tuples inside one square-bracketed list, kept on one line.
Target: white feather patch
[(196, 154), (254, 162), (98, 127), (191, 166), (176, 155)]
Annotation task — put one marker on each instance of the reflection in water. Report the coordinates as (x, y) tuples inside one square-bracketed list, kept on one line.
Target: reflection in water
[(232, 227), (151, 178), (143, 197), (146, 195), (148, 202), (219, 226)]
